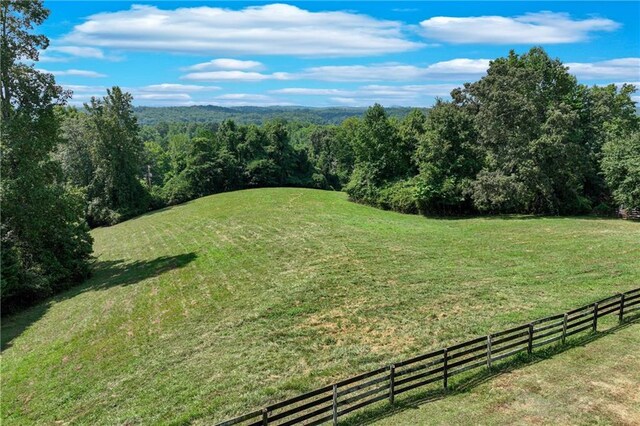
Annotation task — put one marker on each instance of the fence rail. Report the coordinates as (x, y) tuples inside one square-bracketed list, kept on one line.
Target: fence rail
[(330, 402)]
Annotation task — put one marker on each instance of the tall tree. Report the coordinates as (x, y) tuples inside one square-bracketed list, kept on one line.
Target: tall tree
[(528, 125), (116, 192), (45, 240)]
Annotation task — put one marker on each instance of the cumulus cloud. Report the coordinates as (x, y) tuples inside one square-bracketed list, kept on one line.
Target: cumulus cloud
[(273, 29), (225, 64), (68, 53), (174, 87), (406, 95), (622, 68), (75, 73), (455, 69), (235, 76), (542, 27)]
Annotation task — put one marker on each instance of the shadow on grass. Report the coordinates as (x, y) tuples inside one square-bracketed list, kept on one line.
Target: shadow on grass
[(106, 274), (468, 382)]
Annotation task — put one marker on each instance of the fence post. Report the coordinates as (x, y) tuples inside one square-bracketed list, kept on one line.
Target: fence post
[(530, 343), (564, 328), (446, 370), (265, 414), (335, 405), (595, 317), (392, 379), (489, 351), (621, 316)]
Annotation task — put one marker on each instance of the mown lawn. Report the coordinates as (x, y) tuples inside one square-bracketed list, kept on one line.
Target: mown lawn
[(209, 309), (594, 383)]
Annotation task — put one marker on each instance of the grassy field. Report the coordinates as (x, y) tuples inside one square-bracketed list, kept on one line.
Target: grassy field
[(596, 383), (204, 310)]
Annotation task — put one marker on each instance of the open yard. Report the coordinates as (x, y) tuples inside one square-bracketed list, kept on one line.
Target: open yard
[(208, 309)]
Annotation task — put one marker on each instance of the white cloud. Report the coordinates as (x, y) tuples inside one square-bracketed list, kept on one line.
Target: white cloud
[(531, 28), (75, 73), (225, 64), (162, 96), (311, 91), (455, 69), (273, 29), (622, 68), (67, 53), (234, 76), (174, 87)]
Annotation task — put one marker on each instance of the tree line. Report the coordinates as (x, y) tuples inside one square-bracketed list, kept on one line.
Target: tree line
[(526, 138)]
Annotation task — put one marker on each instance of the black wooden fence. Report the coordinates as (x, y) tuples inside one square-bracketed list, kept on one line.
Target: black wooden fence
[(330, 402)]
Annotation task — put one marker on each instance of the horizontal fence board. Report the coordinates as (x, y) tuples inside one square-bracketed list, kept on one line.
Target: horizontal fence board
[(547, 319), (363, 385), (510, 330), (418, 376), (546, 342), (359, 397), (508, 354), (361, 376), (300, 408), (240, 419), (608, 311), (583, 321), (548, 326), (429, 368), (419, 384), (419, 358), (632, 303), (547, 334), (308, 415), (410, 370), (628, 311), (497, 342), (300, 398), (608, 305), (468, 360), (509, 346), (361, 404), (321, 420), (582, 308), (482, 347), (606, 299), (576, 331), (467, 368), (467, 343), (578, 315)]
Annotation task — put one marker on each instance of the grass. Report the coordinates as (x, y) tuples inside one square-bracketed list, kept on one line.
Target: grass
[(593, 382), (206, 310)]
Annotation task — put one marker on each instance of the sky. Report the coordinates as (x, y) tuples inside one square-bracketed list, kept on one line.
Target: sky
[(318, 53)]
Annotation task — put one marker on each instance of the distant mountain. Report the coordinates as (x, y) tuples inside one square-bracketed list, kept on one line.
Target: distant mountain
[(251, 114)]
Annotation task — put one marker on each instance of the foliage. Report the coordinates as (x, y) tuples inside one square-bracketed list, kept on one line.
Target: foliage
[(45, 240), (621, 167), (115, 192)]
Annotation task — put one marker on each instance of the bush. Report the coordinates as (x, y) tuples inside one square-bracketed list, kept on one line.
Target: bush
[(399, 196), (362, 187)]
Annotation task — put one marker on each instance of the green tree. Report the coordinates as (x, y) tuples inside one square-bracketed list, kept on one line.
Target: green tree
[(115, 192), (447, 159), (528, 125), (621, 167), (45, 240)]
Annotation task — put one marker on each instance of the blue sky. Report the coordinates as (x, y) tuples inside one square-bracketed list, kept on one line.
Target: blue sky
[(323, 53)]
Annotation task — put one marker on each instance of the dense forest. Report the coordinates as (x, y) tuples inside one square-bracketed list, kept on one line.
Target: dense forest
[(252, 114), (526, 138)]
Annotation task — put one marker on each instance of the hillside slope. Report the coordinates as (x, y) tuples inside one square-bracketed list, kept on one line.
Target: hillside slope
[(207, 309)]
